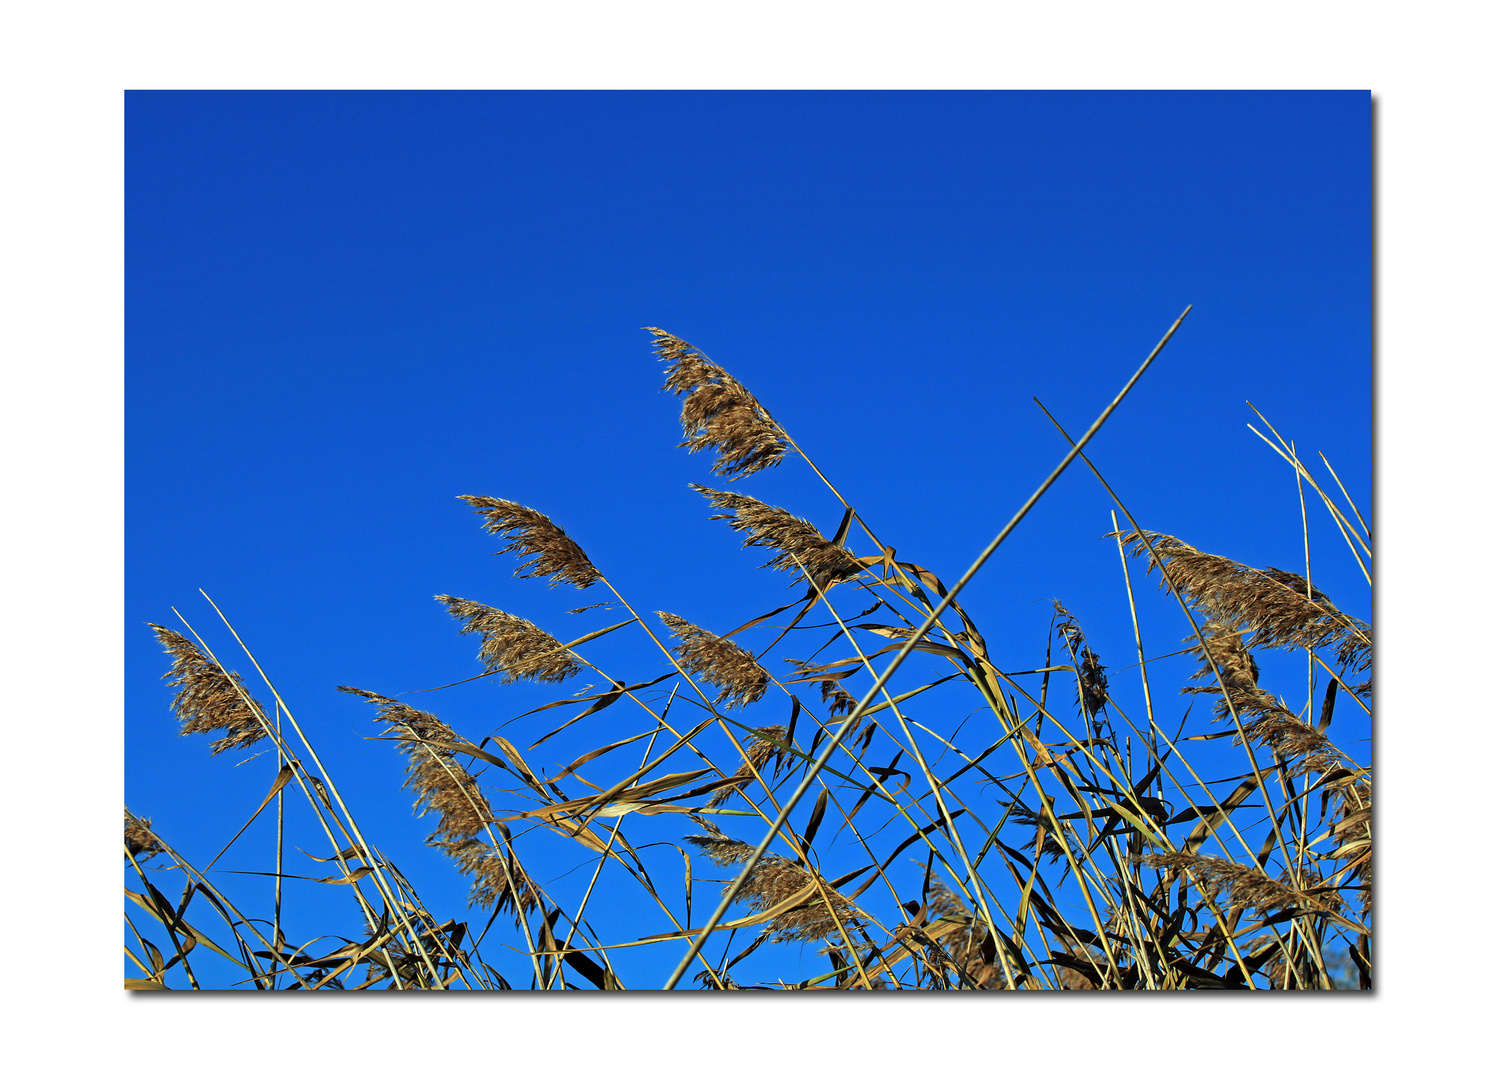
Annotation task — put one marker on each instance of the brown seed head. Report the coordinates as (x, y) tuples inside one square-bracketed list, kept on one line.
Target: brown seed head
[(840, 702), (719, 413), (1045, 842), (1275, 606), (1091, 684), (1264, 718), (1239, 888), (515, 647), (1227, 647), (952, 938), (532, 535), (139, 840), (777, 529), (765, 749), (719, 662), (775, 879), (499, 881), (210, 699), (433, 772)]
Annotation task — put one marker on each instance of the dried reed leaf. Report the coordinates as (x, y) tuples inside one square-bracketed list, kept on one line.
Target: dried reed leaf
[(513, 647), (719, 662), (532, 535), (718, 412), (794, 538), (210, 699)]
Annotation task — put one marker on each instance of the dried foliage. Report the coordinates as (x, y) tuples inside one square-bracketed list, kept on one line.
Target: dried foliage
[(1243, 888), (1090, 673), (1276, 607), (718, 412), (210, 699), (1119, 854), (798, 542), (776, 879), (433, 772), (765, 750), (534, 536), (718, 662), (499, 881), (513, 647), (139, 840)]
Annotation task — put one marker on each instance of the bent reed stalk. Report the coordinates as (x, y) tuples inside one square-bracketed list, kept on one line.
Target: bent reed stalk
[(1064, 836)]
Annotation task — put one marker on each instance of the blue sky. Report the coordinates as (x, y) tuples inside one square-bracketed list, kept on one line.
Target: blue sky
[(346, 309)]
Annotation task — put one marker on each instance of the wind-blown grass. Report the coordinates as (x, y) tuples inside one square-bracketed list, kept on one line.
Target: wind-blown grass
[(1075, 838)]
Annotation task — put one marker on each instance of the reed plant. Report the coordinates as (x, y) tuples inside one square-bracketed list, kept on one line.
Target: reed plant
[(1070, 836)]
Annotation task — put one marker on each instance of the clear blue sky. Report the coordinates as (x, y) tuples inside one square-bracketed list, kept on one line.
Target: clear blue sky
[(346, 309)]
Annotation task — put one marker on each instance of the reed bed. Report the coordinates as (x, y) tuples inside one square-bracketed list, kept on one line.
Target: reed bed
[(1068, 836)]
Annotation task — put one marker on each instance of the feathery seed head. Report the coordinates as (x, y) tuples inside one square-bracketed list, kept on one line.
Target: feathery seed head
[(1241, 888), (433, 772), (499, 881), (719, 662), (532, 535), (954, 938), (718, 412), (515, 647), (139, 840), (1091, 684), (210, 699), (1276, 607), (794, 538), (766, 747), (775, 879), (1227, 647)]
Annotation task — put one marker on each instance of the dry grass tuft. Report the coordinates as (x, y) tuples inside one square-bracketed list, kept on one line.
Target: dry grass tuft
[(210, 699), (532, 535), (776, 879), (1276, 607), (139, 840), (719, 413), (513, 647), (1091, 684), (432, 772), (1242, 888), (794, 538), (499, 881), (718, 662), (765, 749)]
